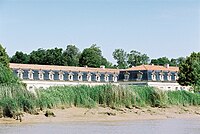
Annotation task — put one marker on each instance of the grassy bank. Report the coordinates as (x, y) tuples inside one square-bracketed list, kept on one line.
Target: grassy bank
[(15, 99)]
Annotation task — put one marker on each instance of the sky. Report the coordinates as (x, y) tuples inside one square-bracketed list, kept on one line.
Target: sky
[(157, 28)]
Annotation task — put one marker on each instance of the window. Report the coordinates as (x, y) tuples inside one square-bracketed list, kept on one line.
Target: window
[(169, 78), (70, 76), (176, 76), (41, 75), (139, 75), (51, 75), (161, 76), (80, 76), (98, 76), (61, 75), (89, 76), (30, 74), (20, 73), (153, 75), (106, 77), (114, 77), (126, 76)]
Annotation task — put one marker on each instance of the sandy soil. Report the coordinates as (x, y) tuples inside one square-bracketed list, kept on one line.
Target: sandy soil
[(107, 114)]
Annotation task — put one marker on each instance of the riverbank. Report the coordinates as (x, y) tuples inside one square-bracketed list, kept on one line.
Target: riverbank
[(74, 114)]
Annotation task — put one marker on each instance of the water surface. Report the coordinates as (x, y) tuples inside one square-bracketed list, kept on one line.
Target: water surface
[(169, 126)]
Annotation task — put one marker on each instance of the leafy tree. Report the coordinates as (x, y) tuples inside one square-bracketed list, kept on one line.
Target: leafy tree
[(7, 76), (20, 57), (54, 57), (189, 71), (38, 56), (71, 56), (4, 59), (160, 61), (121, 57), (92, 57), (176, 62), (136, 58)]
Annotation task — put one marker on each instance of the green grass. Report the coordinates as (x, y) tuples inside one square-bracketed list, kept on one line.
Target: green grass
[(15, 98)]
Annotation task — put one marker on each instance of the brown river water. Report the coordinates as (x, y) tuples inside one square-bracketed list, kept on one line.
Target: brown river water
[(167, 126)]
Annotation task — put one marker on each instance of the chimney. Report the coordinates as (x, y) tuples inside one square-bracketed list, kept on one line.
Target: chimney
[(102, 66), (167, 65), (86, 66)]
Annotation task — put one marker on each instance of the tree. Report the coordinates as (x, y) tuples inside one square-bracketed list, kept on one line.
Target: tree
[(7, 76), (71, 56), (176, 62), (38, 56), (54, 57), (92, 57), (189, 71), (20, 57), (4, 59), (136, 58), (160, 61), (121, 57)]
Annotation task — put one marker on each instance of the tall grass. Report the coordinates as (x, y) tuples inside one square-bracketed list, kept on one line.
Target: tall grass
[(15, 98), (113, 96)]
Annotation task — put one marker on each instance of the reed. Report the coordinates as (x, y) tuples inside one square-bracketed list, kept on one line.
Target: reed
[(15, 98)]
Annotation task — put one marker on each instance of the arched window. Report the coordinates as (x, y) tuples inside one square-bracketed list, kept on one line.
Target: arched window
[(51, 75), (70, 76), (80, 76), (98, 76), (176, 76), (20, 73), (115, 77), (41, 75), (126, 76), (89, 76), (106, 77), (161, 74), (139, 75), (169, 76), (153, 75), (61, 75), (30, 74)]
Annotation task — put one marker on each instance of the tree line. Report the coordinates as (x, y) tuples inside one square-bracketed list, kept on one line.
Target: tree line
[(189, 67), (91, 57)]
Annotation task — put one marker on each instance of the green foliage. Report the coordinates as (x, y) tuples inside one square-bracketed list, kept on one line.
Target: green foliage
[(47, 57), (160, 61), (38, 57), (4, 59), (177, 62), (7, 76), (20, 57), (92, 57), (71, 56), (15, 98), (136, 58), (121, 57), (54, 57), (189, 71), (183, 98), (113, 96)]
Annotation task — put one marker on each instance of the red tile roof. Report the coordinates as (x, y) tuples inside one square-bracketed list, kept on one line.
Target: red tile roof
[(63, 68), (153, 67)]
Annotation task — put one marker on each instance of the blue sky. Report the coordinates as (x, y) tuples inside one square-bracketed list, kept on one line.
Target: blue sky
[(156, 27)]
